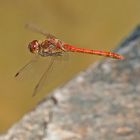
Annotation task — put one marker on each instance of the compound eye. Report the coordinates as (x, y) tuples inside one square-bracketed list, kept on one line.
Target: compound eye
[(33, 46)]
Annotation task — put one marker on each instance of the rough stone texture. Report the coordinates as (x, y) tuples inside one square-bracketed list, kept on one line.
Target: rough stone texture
[(102, 103)]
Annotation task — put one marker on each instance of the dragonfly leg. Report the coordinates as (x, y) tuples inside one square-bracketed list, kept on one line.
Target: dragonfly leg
[(51, 54)]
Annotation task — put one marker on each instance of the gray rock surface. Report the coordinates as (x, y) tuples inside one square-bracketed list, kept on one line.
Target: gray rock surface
[(102, 103)]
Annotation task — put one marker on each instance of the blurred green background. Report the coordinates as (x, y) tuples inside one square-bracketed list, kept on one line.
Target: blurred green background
[(94, 24)]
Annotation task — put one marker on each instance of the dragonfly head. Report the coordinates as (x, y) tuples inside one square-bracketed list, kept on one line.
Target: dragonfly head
[(34, 46)]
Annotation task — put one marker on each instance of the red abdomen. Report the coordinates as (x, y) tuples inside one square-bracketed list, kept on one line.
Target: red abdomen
[(96, 52)]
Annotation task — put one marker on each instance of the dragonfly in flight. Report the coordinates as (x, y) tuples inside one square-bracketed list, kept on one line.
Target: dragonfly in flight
[(52, 46)]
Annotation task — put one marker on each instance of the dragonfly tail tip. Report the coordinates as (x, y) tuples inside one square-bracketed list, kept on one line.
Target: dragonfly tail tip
[(122, 57)]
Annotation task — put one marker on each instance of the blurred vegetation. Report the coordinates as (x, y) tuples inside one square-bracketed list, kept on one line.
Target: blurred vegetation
[(93, 24)]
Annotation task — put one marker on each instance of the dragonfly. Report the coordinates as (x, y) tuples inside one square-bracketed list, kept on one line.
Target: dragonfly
[(51, 46)]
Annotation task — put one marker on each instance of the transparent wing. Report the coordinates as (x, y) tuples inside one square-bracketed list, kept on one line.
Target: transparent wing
[(39, 30), (43, 77), (26, 65)]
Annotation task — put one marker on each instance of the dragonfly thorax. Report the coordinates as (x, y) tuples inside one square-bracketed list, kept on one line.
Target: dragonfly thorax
[(50, 47)]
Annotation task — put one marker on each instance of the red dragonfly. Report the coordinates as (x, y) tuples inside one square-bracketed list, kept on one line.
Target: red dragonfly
[(53, 46)]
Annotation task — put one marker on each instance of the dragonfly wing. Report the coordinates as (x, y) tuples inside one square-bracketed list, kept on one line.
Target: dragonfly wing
[(39, 30), (26, 65), (43, 77)]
